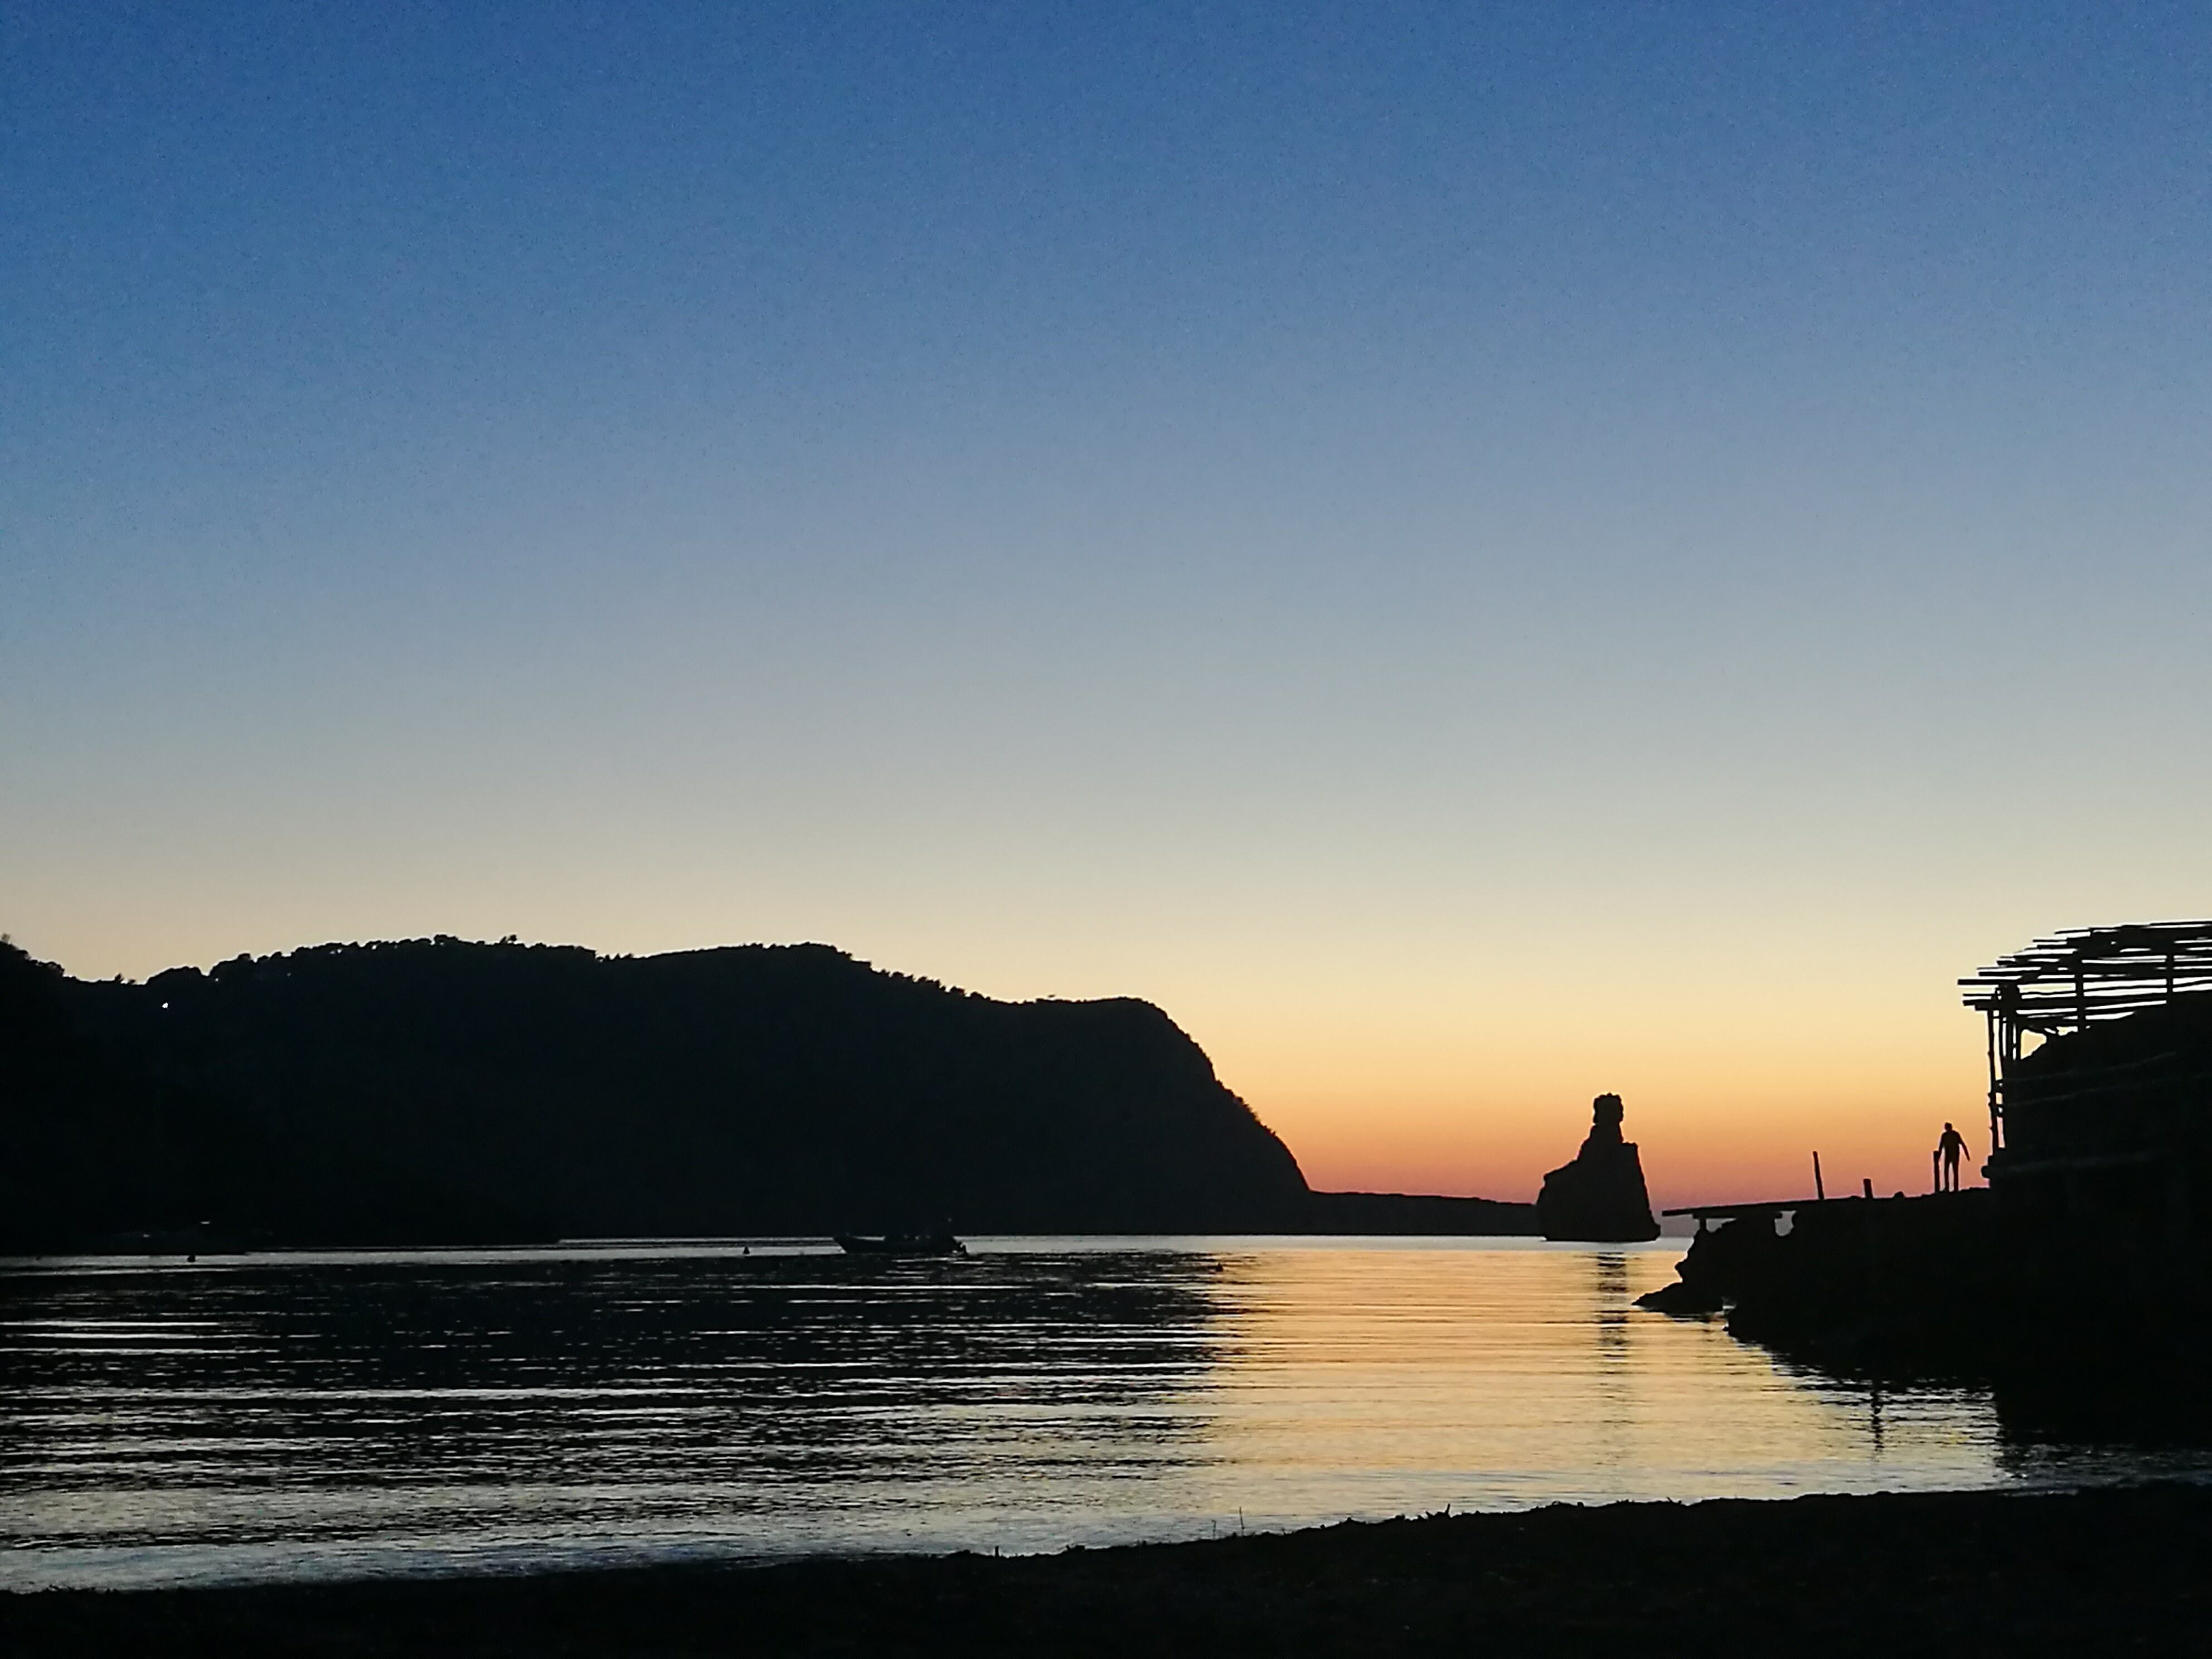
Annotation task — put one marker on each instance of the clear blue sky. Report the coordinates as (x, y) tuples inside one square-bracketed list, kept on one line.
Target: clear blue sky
[(1475, 553)]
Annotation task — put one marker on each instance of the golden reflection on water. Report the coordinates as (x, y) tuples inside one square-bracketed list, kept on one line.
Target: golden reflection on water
[(1482, 1377)]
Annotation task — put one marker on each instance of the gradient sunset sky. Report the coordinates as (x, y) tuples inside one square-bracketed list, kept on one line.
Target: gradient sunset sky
[(1476, 554)]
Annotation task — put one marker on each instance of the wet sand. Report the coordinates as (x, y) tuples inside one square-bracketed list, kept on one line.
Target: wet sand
[(2110, 1571)]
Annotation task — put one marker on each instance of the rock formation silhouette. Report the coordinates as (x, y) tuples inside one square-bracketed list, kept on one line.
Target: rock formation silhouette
[(1600, 1197)]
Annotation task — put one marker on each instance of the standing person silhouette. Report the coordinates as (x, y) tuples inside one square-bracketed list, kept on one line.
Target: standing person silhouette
[(1950, 1147)]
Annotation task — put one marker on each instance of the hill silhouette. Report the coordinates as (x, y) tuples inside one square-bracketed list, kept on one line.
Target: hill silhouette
[(89, 1147), (443, 1090)]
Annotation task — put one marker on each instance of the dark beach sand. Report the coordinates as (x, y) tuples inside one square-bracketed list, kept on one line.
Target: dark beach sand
[(2090, 1573)]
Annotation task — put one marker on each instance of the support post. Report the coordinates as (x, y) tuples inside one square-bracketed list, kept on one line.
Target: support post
[(1993, 1078)]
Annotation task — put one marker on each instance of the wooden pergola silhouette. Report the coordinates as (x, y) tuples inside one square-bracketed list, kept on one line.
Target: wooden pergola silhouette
[(2070, 980)]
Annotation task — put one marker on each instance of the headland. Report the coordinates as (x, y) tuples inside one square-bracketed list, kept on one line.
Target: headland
[(440, 1092)]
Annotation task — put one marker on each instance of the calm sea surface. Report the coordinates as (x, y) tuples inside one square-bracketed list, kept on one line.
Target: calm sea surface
[(418, 1412)]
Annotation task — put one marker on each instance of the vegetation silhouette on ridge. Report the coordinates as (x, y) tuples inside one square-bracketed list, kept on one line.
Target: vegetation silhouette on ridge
[(444, 1090)]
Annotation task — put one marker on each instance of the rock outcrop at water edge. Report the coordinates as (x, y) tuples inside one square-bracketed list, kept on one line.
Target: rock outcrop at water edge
[(1601, 1196)]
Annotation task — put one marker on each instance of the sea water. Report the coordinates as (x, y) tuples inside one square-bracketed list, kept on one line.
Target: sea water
[(410, 1411)]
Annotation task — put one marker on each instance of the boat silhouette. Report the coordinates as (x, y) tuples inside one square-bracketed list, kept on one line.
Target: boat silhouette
[(936, 1244)]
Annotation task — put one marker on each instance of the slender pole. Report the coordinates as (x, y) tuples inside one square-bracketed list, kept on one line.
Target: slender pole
[(1819, 1192), (1993, 1079)]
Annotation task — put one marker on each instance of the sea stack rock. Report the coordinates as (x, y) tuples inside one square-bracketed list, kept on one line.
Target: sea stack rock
[(1600, 1197)]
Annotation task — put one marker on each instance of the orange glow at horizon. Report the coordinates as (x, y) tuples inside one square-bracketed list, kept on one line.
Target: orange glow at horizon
[(1731, 1089), (1694, 1149)]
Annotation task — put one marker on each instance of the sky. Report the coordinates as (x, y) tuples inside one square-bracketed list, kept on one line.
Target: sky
[(1474, 554)]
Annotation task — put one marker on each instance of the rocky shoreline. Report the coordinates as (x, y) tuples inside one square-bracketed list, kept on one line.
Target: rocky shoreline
[(2083, 1333), (2011, 1571)]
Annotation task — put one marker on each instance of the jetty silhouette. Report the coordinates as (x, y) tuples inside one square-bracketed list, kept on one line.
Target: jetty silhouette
[(2077, 1278)]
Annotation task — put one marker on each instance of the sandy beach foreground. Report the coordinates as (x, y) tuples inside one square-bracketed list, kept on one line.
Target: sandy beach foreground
[(1966, 1572)]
